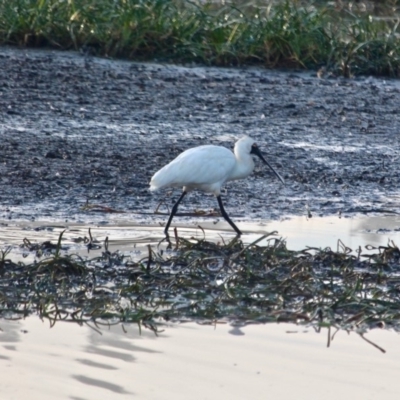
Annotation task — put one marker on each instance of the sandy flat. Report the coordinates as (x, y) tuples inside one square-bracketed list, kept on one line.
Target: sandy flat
[(189, 361)]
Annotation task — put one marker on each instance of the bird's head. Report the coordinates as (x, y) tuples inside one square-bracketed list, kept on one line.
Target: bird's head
[(247, 145)]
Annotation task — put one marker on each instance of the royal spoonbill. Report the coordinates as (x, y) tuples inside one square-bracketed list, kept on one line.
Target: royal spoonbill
[(207, 168)]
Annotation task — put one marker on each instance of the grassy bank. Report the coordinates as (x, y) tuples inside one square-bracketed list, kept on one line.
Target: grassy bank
[(283, 34)]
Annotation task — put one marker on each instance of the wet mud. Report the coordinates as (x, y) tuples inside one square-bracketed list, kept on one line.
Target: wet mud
[(79, 130)]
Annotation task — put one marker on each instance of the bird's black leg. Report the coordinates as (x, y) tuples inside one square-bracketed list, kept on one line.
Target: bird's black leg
[(173, 212), (225, 215)]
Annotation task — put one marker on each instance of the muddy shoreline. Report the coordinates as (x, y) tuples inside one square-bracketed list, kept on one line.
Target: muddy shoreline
[(76, 129)]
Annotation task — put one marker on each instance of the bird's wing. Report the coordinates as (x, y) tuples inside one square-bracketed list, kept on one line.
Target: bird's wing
[(203, 165)]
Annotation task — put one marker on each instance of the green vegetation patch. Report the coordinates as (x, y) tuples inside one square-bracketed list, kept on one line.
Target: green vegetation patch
[(207, 282), (335, 36)]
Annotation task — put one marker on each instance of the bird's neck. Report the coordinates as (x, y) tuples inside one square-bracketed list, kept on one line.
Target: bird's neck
[(244, 167)]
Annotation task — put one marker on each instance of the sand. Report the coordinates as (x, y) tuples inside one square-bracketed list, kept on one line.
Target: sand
[(190, 361)]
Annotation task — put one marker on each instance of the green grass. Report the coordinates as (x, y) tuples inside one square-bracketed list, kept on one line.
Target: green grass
[(282, 34)]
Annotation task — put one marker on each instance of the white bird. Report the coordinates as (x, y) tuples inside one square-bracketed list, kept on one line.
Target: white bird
[(207, 168)]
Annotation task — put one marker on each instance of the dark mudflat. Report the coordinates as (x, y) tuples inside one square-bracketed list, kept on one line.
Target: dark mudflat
[(77, 129)]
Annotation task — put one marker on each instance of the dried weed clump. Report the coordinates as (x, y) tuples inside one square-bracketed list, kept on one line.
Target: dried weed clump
[(207, 282)]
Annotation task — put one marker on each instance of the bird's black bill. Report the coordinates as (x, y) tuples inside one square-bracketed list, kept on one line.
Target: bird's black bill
[(255, 150)]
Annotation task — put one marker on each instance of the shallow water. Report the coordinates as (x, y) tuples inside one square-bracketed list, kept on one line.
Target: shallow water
[(132, 239)]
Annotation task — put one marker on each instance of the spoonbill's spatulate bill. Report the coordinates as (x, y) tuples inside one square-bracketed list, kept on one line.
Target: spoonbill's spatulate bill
[(207, 168)]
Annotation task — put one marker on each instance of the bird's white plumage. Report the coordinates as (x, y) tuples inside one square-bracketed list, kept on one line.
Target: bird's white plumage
[(206, 168)]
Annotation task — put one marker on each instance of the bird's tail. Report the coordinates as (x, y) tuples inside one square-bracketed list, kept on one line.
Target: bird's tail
[(154, 185), (160, 179)]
